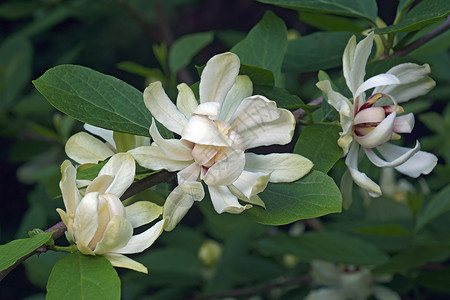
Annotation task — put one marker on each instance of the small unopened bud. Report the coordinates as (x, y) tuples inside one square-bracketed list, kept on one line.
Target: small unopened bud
[(209, 253)]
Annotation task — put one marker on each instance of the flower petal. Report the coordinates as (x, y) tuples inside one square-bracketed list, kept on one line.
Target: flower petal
[(377, 80), (360, 178), (227, 170), (100, 184), (162, 108), (142, 212), (122, 167), (202, 130), (380, 135), (173, 148), (142, 241), (218, 77), (420, 163), (209, 109), (116, 235), (383, 293), (398, 160), (251, 183), (224, 201), (70, 194), (404, 124), (283, 167), (121, 261), (176, 206), (242, 89), (355, 60), (84, 148), (326, 293), (190, 173), (86, 219), (279, 131), (105, 134), (186, 101), (153, 158), (126, 141)]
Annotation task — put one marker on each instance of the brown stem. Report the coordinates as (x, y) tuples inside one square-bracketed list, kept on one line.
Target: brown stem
[(426, 38), (300, 113)]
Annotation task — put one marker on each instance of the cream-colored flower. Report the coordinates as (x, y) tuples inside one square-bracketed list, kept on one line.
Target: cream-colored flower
[(98, 223), (214, 137), (347, 283), (84, 148), (370, 124)]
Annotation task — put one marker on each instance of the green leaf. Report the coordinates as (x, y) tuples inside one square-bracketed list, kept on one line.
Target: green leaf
[(438, 280), (257, 75), (366, 9), (312, 196), (281, 96), (16, 249), (317, 51), (15, 67), (77, 276), (332, 23), (437, 206), (318, 142), (89, 171), (186, 47), (264, 45), (138, 69), (389, 230), (330, 246), (95, 98), (424, 13)]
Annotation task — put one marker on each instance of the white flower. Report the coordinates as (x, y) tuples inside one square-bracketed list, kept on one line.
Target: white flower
[(214, 135), (84, 148), (373, 122), (98, 223), (347, 283)]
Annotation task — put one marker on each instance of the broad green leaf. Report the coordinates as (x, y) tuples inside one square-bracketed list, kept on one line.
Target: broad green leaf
[(388, 230), (184, 49), (257, 75), (424, 13), (89, 171), (16, 249), (138, 69), (95, 98), (79, 276), (438, 205), (15, 67), (438, 280), (281, 96), (330, 246), (317, 51), (264, 45), (312, 196), (318, 142), (332, 23), (366, 9)]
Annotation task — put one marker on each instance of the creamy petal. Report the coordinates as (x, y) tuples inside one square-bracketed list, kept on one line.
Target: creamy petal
[(142, 212), (283, 167), (380, 135), (377, 80), (84, 148), (176, 206), (358, 57), (360, 178), (153, 158), (70, 194), (86, 219), (209, 109), (242, 89), (105, 134), (218, 77), (115, 206), (122, 167), (121, 261), (116, 235), (186, 101), (347, 60), (377, 161), (224, 201), (404, 124), (251, 183), (383, 293), (173, 148), (100, 184), (227, 170), (126, 141), (202, 130), (163, 109), (190, 173), (420, 163), (142, 241)]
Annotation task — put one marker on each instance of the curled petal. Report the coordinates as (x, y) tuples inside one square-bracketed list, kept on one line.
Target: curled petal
[(218, 77), (369, 115), (251, 183), (100, 184), (378, 136), (227, 170), (162, 108), (360, 178), (420, 163), (122, 167), (176, 206), (173, 148), (378, 80), (121, 261), (84, 148), (242, 89), (70, 194), (86, 220), (186, 101), (224, 201), (377, 161), (142, 241), (190, 173), (383, 293), (209, 109), (202, 130), (282, 167), (153, 158), (116, 235), (404, 124), (142, 212), (105, 134)]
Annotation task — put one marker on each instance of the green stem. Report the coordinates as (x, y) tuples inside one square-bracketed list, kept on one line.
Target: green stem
[(70, 249)]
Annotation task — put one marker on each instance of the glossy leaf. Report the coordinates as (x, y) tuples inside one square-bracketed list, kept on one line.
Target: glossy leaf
[(330, 246), (264, 45), (16, 249), (281, 96), (312, 196), (366, 9), (95, 98), (78, 276), (318, 142), (258, 76)]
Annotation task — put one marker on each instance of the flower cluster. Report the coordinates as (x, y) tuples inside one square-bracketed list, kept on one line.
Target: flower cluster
[(370, 123)]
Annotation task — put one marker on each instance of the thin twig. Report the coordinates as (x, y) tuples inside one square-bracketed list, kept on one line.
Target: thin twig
[(426, 38), (300, 113)]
